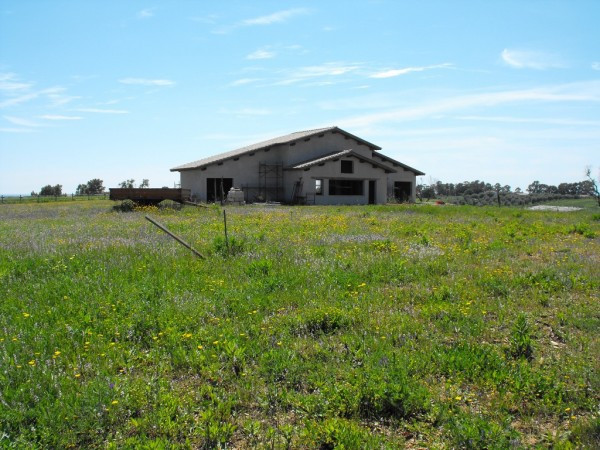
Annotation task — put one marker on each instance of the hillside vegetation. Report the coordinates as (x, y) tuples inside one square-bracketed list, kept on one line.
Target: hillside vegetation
[(314, 327)]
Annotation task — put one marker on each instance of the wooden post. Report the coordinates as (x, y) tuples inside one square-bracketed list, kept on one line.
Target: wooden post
[(225, 222), (222, 196), (174, 236)]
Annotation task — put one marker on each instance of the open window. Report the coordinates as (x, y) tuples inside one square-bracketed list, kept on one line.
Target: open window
[(347, 166), (346, 187), (319, 187)]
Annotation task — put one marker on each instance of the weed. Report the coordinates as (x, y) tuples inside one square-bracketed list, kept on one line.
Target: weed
[(521, 341)]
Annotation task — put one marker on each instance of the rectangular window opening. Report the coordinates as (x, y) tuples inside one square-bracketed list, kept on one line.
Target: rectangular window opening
[(319, 187), (347, 166), (346, 187)]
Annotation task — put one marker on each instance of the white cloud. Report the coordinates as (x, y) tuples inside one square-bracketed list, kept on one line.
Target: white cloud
[(396, 72), (146, 13), (146, 82), (596, 65), (243, 81), (102, 111), (10, 83), (59, 117), (52, 93), (308, 73), (17, 130), (277, 17), (261, 54), (541, 120), (526, 59), (588, 91), (22, 122)]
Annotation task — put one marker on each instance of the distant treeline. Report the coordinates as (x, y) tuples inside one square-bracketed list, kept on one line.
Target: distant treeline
[(440, 189)]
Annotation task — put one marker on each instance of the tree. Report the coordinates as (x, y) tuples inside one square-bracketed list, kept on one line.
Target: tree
[(595, 191), (95, 186), (90, 188), (145, 183), (127, 184), (52, 190)]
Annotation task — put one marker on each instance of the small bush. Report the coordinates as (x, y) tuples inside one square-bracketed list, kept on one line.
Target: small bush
[(234, 246), (479, 432), (583, 229), (125, 206)]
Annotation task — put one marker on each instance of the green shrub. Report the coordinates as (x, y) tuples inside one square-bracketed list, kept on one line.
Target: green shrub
[(233, 246), (125, 206)]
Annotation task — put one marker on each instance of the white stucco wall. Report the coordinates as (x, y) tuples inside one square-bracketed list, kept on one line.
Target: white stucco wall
[(332, 170), (244, 170)]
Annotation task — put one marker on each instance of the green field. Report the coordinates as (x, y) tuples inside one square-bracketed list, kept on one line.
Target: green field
[(317, 327)]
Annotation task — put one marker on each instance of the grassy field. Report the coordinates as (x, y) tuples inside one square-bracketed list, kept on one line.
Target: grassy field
[(317, 327)]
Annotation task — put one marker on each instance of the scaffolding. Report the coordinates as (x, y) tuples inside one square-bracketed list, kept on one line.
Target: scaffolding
[(270, 181), (270, 184)]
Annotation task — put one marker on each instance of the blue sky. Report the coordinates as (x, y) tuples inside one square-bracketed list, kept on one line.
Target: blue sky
[(505, 91)]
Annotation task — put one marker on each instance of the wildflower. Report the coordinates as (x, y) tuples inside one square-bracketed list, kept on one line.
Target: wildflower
[(216, 342), (279, 343), (77, 375), (458, 398), (32, 362), (56, 353), (114, 402), (567, 409), (200, 347), (186, 335), (26, 315), (19, 366)]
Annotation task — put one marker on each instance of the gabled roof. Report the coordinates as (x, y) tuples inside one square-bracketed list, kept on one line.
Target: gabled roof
[(287, 139), (398, 163), (333, 156)]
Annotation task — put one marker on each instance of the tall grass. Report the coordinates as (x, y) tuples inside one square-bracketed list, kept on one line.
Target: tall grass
[(378, 326)]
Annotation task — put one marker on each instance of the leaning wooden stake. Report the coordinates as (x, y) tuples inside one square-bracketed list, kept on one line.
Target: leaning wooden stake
[(174, 236)]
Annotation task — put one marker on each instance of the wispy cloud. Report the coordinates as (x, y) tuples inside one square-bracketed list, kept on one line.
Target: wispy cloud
[(16, 92), (269, 19), (146, 13), (9, 82), (596, 65), (527, 59), (540, 120), (59, 117), (588, 91), (310, 73), (405, 70), (146, 82), (277, 17), (244, 81), (22, 122), (261, 54), (102, 111)]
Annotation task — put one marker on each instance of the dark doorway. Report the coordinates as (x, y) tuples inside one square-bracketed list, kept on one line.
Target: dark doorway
[(372, 184), (217, 189), (402, 191)]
